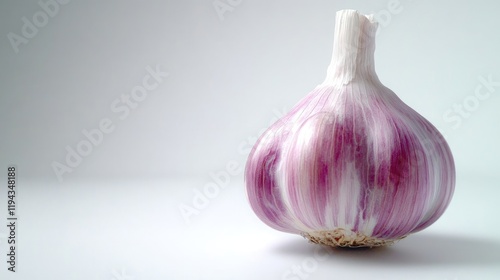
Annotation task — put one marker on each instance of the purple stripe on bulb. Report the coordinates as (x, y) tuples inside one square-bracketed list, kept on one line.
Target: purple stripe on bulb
[(263, 193)]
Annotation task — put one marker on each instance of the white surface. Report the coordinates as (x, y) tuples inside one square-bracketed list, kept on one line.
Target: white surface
[(135, 229), (116, 215)]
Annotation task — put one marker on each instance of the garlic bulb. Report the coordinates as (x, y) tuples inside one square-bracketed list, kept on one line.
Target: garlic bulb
[(351, 164)]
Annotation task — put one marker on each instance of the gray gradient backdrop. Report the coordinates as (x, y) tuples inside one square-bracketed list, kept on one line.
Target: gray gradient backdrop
[(230, 73)]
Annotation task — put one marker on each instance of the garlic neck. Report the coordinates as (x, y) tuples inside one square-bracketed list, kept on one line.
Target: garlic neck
[(353, 49)]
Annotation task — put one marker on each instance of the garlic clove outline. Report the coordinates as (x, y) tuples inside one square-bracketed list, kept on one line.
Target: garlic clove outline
[(351, 164)]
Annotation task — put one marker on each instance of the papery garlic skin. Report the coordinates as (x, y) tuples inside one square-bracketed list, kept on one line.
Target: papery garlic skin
[(351, 164)]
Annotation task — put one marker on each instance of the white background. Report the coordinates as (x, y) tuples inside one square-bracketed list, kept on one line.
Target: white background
[(116, 214)]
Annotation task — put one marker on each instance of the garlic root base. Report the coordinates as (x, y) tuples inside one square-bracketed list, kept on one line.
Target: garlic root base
[(343, 238)]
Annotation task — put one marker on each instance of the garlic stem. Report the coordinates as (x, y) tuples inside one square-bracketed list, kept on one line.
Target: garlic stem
[(353, 49)]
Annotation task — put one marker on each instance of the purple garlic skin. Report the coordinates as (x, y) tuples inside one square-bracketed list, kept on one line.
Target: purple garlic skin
[(351, 164)]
